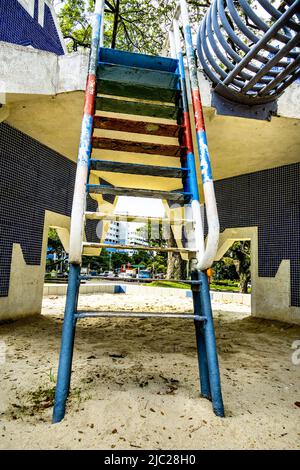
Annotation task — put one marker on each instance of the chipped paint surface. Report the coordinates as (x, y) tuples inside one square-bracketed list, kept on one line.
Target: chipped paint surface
[(85, 140), (204, 156)]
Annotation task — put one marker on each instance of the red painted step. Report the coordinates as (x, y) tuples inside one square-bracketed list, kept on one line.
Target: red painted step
[(137, 127), (137, 147)]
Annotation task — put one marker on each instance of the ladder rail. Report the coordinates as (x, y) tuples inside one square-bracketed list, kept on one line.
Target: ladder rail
[(190, 183), (85, 146), (207, 256), (98, 314)]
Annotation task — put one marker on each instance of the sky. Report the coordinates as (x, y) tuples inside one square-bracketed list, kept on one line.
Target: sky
[(140, 206)]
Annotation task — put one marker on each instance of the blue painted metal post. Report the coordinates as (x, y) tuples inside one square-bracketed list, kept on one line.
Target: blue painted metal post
[(207, 257), (211, 348), (77, 222), (67, 342), (201, 346)]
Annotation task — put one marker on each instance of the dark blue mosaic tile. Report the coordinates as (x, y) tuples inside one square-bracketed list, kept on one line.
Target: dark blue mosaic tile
[(270, 200), (33, 178), (18, 27)]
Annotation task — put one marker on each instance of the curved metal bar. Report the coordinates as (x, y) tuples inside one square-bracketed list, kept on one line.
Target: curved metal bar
[(248, 33), (256, 73), (202, 40), (261, 24), (280, 77)]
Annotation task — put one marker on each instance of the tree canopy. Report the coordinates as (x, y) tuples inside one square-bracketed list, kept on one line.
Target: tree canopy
[(132, 25)]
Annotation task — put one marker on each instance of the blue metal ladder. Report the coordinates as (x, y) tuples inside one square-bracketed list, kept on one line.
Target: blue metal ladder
[(138, 78)]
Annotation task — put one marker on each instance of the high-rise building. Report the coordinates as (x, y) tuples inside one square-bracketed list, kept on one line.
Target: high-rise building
[(126, 233)]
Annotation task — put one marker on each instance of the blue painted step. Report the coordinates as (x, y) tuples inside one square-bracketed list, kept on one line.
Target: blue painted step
[(132, 59), (134, 82), (178, 196), (138, 169), (138, 108), (143, 77)]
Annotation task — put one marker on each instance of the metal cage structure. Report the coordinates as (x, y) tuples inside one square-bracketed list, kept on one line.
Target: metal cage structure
[(251, 52)]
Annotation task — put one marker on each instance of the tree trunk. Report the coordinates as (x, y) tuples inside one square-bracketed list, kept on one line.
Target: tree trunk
[(244, 286), (116, 24), (176, 265)]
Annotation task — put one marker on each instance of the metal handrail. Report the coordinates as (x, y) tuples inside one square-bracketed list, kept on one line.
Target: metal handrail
[(205, 252), (84, 152)]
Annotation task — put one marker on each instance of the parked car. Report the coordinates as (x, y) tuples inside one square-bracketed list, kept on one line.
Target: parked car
[(123, 275), (144, 274), (108, 274), (159, 276), (62, 275)]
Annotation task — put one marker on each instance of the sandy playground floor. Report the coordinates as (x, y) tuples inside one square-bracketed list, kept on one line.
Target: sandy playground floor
[(135, 382)]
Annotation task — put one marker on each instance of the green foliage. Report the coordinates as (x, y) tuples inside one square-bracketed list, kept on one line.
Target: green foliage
[(98, 263), (235, 264), (131, 25), (55, 244), (54, 240), (75, 23)]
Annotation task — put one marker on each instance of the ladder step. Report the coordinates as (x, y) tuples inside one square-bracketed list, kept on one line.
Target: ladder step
[(137, 147), (138, 169), (135, 218), (137, 108), (136, 247), (138, 315), (137, 127), (177, 196), (115, 56), (137, 76), (137, 90)]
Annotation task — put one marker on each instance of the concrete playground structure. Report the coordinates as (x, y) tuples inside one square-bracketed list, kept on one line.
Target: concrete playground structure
[(255, 157)]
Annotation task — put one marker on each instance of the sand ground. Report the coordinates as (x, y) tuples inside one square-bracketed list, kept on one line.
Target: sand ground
[(135, 382)]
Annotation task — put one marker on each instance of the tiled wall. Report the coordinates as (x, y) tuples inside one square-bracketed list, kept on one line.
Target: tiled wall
[(18, 27), (270, 200), (34, 178)]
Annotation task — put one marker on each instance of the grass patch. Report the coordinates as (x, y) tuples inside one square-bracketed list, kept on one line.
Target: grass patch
[(174, 284), (221, 286), (36, 401), (224, 287)]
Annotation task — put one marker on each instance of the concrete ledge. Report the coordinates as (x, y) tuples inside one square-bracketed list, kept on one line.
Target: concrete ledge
[(228, 297), (31, 71), (61, 289), (146, 291)]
